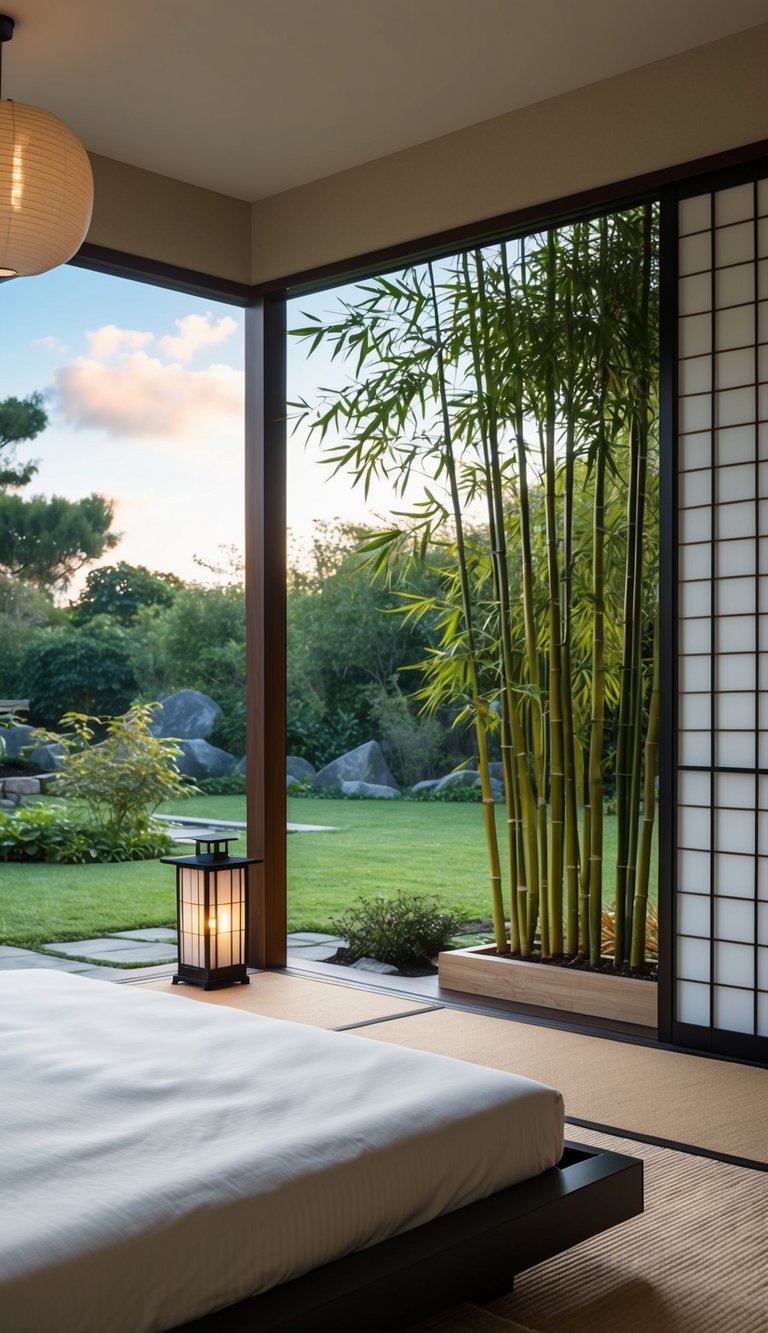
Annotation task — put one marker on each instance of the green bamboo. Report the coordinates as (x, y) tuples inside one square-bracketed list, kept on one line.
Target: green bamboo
[(571, 846), (489, 816), (598, 651), (640, 904)]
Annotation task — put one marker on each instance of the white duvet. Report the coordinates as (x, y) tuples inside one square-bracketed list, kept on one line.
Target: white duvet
[(161, 1159)]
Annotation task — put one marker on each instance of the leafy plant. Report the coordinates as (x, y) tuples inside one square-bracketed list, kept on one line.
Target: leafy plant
[(84, 670), (406, 931), (50, 833), (229, 784), (123, 777)]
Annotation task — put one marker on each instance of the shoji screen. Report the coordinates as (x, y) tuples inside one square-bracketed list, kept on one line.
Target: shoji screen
[(719, 861)]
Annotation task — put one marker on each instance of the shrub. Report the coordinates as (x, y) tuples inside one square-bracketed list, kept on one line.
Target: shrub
[(122, 779), (455, 793), (406, 931), (230, 784), (49, 833), (86, 671)]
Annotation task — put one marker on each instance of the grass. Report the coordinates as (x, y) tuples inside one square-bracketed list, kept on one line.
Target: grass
[(376, 847)]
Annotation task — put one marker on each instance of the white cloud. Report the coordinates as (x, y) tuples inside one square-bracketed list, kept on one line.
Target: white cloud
[(109, 339), (195, 333), (141, 396), (50, 343)]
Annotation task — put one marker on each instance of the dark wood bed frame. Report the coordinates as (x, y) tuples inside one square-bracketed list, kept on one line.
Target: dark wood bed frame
[(474, 1252)]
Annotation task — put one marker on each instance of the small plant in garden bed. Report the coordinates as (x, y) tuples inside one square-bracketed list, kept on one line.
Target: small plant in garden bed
[(49, 833), (407, 931)]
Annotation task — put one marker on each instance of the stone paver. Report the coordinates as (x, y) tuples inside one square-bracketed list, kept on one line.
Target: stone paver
[(319, 953), (313, 937), (40, 960), (115, 951), (163, 934)]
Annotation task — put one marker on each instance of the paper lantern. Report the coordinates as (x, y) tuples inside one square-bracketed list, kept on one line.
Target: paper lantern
[(46, 188), (212, 912)]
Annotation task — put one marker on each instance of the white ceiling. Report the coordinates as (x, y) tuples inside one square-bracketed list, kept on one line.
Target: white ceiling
[(251, 97)]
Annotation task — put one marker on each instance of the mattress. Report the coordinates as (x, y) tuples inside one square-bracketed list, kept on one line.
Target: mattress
[(163, 1159)]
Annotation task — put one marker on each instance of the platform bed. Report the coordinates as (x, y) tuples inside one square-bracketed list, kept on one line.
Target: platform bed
[(473, 1253), (176, 1165)]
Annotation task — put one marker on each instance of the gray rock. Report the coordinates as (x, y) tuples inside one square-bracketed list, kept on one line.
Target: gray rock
[(373, 789), (290, 781), (16, 738), (7, 806), (46, 757), (366, 763), (497, 789), (241, 767), (187, 715), (299, 768), (496, 770), (21, 786), (198, 759), (373, 965), (466, 777), (428, 784)]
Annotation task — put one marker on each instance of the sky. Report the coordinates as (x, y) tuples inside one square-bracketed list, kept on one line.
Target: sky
[(144, 393)]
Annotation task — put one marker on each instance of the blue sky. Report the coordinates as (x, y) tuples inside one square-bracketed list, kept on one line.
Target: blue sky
[(144, 391)]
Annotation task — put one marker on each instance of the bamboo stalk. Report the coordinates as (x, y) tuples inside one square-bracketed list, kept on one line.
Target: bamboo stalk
[(640, 905)]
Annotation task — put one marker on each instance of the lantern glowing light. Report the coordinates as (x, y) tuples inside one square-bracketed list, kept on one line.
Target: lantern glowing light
[(46, 187), (212, 912)]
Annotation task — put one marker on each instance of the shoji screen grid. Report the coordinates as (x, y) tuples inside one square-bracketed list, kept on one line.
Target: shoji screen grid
[(722, 812)]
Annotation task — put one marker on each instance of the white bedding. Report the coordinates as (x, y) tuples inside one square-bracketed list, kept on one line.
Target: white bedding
[(160, 1159)]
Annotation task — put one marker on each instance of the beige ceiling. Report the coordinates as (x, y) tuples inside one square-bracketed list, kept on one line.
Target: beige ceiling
[(253, 97)]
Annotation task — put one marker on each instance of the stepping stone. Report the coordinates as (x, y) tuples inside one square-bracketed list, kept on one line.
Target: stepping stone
[(160, 934), (115, 951)]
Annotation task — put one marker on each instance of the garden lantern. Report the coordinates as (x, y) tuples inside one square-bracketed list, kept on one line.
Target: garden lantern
[(212, 912)]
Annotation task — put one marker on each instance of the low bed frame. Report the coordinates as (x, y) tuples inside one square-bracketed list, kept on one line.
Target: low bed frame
[(474, 1252)]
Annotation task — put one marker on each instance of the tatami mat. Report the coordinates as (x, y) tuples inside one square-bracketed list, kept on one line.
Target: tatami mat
[(694, 1262), (712, 1104), (296, 999)]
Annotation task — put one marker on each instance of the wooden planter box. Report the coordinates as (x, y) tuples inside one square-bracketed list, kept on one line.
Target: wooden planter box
[(481, 971)]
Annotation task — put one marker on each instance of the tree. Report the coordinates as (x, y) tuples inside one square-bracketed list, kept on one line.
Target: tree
[(44, 541), (119, 591), (85, 671)]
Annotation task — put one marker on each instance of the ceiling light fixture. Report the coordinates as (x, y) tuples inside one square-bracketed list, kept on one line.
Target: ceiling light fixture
[(46, 186)]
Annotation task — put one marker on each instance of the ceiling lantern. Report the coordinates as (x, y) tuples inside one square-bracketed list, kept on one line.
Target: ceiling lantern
[(46, 187)]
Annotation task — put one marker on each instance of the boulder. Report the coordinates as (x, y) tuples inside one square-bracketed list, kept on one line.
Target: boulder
[(186, 715), (466, 777), (299, 768), (241, 767), (198, 759), (46, 757), (16, 738), (428, 784), (373, 965), (496, 770), (291, 781), (21, 787), (373, 789), (366, 763)]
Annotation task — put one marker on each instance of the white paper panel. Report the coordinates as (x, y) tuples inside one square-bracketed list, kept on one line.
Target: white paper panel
[(695, 525), (695, 253), (735, 711), (693, 869), (734, 1010), (733, 407), (693, 914), (733, 286), (695, 489), (762, 969), (695, 375), (734, 204), (733, 245), (695, 214), (695, 336), (735, 634), (695, 413), (735, 671), (695, 294), (735, 790), (695, 748), (734, 875), (695, 451), (735, 749), (762, 1015), (734, 520), (735, 444), (735, 327), (735, 481), (695, 598), (694, 827), (734, 964), (693, 961), (694, 635), (733, 369), (734, 831), (694, 712), (762, 924), (694, 788), (694, 561), (693, 1003), (762, 878), (695, 673), (735, 920), (737, 596)]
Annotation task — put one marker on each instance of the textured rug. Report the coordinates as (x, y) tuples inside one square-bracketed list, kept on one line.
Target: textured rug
[(712, 1104), (696, 1261), (320, 1004)]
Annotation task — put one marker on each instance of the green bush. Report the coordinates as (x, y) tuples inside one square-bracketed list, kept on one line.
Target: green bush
[(406, 931), (49, 833), (72, 670), (230, 784), (454, 793)]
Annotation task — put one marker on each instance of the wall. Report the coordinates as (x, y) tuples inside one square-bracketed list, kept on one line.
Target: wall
[(690, 106)]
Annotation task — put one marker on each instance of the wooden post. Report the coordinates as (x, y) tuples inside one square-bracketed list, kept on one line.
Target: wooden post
[(265, 574)]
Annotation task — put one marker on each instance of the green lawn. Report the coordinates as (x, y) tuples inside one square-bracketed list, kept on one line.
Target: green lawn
[(375, 847)]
